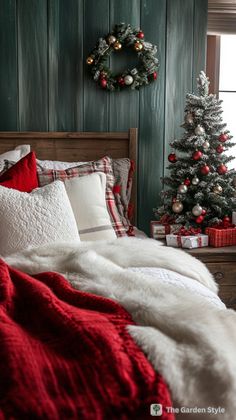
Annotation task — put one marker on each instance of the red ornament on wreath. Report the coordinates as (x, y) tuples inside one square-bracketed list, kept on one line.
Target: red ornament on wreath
[(121, 81), (103, 83), (187, 182), (222, 169), (172, 158), (140, 35), (204, 170), (223, 137), (220, 149), (199, 219), (197, 155)]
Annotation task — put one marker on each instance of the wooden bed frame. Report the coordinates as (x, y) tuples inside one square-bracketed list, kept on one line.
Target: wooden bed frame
[(76, 146)]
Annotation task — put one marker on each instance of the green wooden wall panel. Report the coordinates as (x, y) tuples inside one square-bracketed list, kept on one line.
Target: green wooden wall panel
[(32, 65), (96, 101), (65, 52), (151, 124), (124, 106), (179, 65), (199, 39), (8, 66)]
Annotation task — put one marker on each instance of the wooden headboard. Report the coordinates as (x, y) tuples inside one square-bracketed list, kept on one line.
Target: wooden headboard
[(76, 146)]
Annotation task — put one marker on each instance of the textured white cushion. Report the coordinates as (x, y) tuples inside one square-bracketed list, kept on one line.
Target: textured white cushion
[(18, 153), (87, 198), (44, 216)]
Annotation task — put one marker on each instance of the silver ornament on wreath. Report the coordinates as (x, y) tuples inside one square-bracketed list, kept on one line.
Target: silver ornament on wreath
[(182, 189), (217, 189), (195, 180), (111, 39), (128, 80), (199, 130), (206, 145), (177, 207), (197, 210)]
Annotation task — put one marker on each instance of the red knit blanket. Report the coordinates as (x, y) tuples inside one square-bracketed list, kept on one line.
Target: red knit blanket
[(66, 354)]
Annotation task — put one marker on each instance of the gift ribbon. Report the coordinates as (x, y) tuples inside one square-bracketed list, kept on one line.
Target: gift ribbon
[(187, 232), (223, 225)]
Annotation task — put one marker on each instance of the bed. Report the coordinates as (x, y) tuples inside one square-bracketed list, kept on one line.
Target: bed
[(108, 328)]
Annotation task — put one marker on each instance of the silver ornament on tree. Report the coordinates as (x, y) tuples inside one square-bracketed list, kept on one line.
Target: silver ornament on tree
[(177, 207), (182, 189), (189, 118), (197, 210), (206, 145), (195, 180), (199, 130), (217, 189), (128, 80)]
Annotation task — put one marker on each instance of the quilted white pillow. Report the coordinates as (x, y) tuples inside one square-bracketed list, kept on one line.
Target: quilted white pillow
[(87, 198), (44, 216), (18, 153)]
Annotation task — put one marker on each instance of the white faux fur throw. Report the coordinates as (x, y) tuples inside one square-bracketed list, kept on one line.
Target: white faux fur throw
[(191, 342)]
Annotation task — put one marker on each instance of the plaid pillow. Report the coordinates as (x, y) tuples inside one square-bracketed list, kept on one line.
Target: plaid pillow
[(103, 165)]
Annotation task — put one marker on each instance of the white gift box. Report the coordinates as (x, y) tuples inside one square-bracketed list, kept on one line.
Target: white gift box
[(159, 231), (192, 241), (234, 218)]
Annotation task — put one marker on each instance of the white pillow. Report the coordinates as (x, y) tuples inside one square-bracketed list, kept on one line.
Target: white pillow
[(44, 216), (87, 198), (18, 153)]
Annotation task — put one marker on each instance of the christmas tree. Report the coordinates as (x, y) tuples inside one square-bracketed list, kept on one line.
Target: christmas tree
[(200, 189)]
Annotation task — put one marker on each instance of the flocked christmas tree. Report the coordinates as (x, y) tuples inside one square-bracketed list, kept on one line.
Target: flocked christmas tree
[(200, 189)]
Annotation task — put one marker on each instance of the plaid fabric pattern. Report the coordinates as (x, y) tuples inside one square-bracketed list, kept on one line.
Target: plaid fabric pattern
[(103, 165), (221, 237)]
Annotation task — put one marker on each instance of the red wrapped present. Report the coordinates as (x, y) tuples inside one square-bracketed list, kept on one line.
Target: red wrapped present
[(221, 236), (159, 230)]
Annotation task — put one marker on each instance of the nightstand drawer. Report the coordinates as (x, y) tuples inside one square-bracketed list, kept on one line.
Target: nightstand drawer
[(224, 273)]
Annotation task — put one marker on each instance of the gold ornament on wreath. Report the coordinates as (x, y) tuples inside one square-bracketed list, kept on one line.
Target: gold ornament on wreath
[(123, 36)]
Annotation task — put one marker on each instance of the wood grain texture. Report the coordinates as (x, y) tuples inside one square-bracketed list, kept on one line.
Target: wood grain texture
[(65, 49), (96, 101), (124, 106), (8, 66), (32, 65), (151, 124)]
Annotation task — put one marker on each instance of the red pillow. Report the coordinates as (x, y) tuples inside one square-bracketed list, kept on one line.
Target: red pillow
[(22, 176)]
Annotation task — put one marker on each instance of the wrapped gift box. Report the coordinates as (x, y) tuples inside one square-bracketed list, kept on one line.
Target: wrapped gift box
[(187, 241), (160, 230), (221, 237)]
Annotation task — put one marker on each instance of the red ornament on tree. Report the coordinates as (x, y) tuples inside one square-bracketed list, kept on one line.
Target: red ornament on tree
[(197, 155), (226, 220), (121, 81), (223, 137), (199, 219), (172, 158), (203, 212), (222, 169), (220, 148), (103, 83), (140, 35), (187, 182), (204, 170)]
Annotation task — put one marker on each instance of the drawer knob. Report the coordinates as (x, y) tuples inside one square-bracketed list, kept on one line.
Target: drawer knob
[(218, 275)]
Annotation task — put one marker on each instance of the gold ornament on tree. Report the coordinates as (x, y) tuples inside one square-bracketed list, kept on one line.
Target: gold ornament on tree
[(217, 189), (177, 207), (117, 46), (89, 60), (189, 118), (138, 46)]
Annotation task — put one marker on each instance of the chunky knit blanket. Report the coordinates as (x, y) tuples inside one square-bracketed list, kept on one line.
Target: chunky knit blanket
[(66, 354)]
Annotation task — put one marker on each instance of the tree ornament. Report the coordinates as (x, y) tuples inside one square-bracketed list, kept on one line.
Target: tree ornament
[(182, 189), (222, 169), (103, 83), (140, 35), (177, 207), (111, 39), (128, 80), (217, 189), (197, 210), (189, 118), (195, 180), (117, 45), (187, 182), (206, 145), (138, 46), (220, 148), (223, 137), (172, 158), (89, 60), (204, 170), (124, 36), (199, 219), (226, 219), (199, 130), (197, 155), (203, 212)]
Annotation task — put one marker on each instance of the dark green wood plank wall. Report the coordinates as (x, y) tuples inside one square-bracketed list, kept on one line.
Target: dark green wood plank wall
[(44, 83)]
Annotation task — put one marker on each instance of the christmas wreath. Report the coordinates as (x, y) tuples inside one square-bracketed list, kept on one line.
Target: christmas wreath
[(123, 36)]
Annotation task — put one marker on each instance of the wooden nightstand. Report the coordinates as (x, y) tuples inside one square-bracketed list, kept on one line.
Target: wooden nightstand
[(222, 264)]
